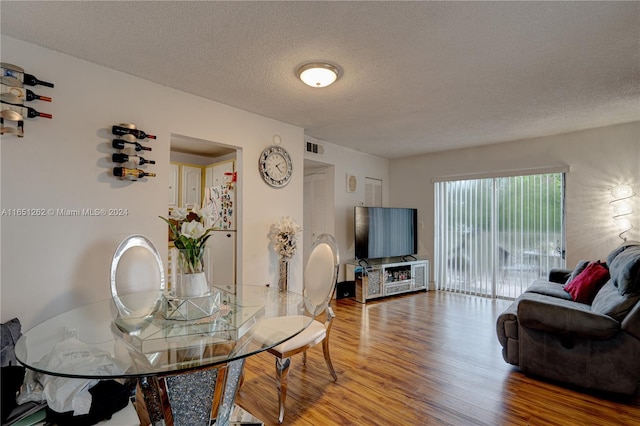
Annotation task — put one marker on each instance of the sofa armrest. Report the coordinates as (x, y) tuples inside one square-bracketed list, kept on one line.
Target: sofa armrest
[(559, 275), (631, 323), (566, 317)]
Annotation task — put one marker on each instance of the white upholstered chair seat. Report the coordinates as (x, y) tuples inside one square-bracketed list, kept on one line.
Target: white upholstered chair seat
[(272, 328)]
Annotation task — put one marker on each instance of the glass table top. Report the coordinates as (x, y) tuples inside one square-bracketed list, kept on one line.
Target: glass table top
[(93, 342)]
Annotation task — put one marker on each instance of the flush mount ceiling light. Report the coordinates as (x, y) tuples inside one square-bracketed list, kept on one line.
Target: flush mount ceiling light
[(318, 74)]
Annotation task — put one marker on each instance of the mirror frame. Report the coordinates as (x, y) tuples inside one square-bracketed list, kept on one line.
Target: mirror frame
[(135, 241)]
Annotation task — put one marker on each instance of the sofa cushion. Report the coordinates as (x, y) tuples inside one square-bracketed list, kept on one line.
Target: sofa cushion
[(548, 288), (584, 287), (610, 302), (625, 270), (565, 317), (580, 266), (615, 252)]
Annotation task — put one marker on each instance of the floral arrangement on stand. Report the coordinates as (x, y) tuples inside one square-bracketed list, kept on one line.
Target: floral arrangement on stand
[(283, 234)]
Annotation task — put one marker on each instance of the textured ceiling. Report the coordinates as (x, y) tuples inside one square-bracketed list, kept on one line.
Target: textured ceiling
[(417, 77)]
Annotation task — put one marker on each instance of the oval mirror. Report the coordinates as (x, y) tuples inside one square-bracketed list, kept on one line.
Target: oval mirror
[(137, 278)]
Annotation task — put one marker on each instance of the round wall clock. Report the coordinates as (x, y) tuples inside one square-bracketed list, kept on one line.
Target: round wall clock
[(275, 166)]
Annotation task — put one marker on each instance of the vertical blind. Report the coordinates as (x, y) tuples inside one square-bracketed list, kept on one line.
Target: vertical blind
[(494, 236)]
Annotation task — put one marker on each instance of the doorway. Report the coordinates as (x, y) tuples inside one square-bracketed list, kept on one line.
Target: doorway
[(494, 236), (319, 202), (196, 165)]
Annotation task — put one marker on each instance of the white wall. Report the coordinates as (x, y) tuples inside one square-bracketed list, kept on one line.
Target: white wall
[(347, 161), (200, 160), (598, 159), (53, 263)]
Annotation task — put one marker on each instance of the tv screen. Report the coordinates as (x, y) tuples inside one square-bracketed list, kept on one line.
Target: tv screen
[(385, 232)]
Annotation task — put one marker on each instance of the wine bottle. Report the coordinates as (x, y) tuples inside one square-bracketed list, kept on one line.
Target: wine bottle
[(136, 173), (22, 93), (121, 144), (117, 157), (25, 111), (15, 71), (119, 130)]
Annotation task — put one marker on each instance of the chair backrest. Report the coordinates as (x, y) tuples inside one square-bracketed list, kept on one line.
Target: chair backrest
[(136, 269), (321, 273)]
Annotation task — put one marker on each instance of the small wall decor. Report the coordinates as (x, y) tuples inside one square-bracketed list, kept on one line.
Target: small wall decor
[(13, 95), (351, 183), (128, 156)]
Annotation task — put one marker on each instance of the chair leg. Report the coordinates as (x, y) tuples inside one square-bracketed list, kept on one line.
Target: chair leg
[(304, 357), (282, 371), (327, 358)]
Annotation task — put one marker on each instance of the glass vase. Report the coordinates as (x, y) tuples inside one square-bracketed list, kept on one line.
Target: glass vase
[(189, 295), (188, 272), (283, 275)]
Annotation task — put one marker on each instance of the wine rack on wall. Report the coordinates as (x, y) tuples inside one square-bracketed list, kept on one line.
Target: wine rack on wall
[(128, 158), (13, 96)]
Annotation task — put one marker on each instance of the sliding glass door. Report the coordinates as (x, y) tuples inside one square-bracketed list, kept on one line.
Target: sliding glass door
[(494, 236)]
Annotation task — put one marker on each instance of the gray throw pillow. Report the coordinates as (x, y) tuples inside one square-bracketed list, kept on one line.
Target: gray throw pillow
[(615, 252), (625, 270), (580, 266)]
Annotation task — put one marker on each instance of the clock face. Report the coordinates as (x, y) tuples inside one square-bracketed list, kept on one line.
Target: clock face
[(275, 166)]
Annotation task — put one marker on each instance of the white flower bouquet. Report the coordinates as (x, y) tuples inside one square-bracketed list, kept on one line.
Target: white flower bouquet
[(189, 234), (283, 235)]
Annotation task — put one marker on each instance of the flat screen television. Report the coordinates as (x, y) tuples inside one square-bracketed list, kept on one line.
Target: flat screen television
[(385, 232)]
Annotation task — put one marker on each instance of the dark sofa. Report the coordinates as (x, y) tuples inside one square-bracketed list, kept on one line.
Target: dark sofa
[(591, 345)]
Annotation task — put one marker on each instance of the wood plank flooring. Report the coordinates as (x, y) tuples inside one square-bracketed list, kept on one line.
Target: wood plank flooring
[(429, 358)]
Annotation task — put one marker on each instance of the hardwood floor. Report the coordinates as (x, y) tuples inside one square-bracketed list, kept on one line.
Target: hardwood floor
[(421, 359)]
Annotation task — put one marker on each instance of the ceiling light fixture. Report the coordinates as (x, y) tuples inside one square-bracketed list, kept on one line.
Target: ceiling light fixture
[(318, 74)]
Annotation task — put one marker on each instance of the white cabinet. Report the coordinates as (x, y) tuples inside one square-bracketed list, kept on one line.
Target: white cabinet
[(173, 185), (387, 278), (214, 174), (191, 186), (185, 185), (186, 181)]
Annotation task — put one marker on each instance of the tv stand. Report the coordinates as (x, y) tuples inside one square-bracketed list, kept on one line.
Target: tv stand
[(387, 277)]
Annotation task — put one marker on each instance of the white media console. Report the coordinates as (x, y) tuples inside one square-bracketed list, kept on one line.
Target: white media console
[(386, 277)]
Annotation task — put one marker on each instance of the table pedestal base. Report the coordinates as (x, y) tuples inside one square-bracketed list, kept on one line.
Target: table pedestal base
[(203, 397)]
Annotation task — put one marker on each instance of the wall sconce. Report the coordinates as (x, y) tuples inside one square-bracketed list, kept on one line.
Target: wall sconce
[(622, 208)]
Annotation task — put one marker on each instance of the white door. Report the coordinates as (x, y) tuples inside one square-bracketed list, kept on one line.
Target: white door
[(215, 173), (173, 185), (316, 199), (191, 186), (373, 192)]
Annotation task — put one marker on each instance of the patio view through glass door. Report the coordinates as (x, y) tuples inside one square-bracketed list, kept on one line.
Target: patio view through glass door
[(494, 236)]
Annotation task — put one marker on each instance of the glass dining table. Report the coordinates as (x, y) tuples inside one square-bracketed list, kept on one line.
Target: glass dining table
[(187, 371)]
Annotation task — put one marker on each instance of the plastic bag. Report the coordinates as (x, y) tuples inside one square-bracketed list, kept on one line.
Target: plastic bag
[(66, 394)]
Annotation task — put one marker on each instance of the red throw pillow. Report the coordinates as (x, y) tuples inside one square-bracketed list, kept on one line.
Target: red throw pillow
[(584, 287)]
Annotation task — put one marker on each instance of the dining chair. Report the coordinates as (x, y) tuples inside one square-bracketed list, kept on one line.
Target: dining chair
[(320, 277)]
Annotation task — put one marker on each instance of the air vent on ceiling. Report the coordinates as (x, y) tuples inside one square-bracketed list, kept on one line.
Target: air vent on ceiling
[(315, 148)]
